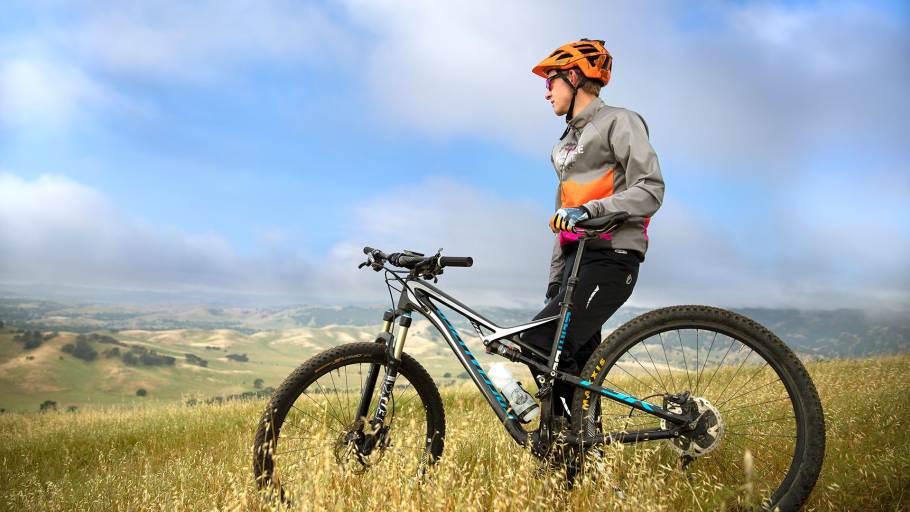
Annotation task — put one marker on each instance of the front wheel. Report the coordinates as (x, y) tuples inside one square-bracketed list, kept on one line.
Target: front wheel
[(761, 432), (312, 418)]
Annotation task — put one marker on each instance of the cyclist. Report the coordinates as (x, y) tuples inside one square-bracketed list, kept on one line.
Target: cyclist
[(604, 163)]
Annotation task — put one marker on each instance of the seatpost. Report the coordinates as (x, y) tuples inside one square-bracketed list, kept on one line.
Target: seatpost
[(546, 384), (565, 312)]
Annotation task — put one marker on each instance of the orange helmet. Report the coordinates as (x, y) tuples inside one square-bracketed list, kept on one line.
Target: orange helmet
[(594, 61)]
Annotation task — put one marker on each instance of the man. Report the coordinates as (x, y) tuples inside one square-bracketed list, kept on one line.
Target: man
[(604, 163)]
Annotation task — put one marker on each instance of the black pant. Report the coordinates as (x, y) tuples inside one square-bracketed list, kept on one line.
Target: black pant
[(605, 281)]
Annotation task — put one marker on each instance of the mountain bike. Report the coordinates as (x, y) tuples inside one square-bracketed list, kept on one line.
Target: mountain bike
[(710, 391)]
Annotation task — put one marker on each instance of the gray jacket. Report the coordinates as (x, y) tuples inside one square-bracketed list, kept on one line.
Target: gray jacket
[(606, 164)]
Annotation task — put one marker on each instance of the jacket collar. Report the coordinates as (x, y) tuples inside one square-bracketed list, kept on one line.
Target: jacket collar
[(584, 117)]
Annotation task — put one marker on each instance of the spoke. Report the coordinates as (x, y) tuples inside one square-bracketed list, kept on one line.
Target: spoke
[(759, 422), (777, 379), (617, 387), (740, 367), (711, 380), (685, 363), (755, 459), (639, 381), (708, 356), (360, 372), (753, 434), (338, 398), (317, 420), (347, 394), (645, 344), (647, 372), (696, 361), (328, 402), (405, 402), (661, 338), (325, 408), (754, 374), (753, 405)]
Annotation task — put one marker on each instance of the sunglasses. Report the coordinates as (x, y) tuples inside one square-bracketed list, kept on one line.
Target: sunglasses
[(551, 79)]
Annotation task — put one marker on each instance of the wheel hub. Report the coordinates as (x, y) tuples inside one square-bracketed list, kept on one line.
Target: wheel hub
[(705, 431), (361, 446)]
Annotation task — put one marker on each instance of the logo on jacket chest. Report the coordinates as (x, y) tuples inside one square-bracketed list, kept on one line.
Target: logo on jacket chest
[(569, 154)]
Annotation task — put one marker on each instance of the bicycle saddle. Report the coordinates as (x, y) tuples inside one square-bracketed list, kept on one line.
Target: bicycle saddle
[(605, 224)]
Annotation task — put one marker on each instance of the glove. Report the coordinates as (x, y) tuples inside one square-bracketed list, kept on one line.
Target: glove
[(552, 291), (565, 218)]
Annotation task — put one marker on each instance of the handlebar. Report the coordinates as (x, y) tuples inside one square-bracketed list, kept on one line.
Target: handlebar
[(415, 261)]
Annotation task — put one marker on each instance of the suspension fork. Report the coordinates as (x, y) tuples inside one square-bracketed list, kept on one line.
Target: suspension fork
[(385, 336), (396, 348), (546, 381)]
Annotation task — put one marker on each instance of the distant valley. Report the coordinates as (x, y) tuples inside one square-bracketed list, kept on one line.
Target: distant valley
[(101, 355)]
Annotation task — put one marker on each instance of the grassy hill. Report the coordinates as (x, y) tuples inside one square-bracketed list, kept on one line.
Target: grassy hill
[(29, 377), (172, 457), (208, 346)]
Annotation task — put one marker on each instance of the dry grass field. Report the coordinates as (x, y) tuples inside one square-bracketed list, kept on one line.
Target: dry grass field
[(173, 457)]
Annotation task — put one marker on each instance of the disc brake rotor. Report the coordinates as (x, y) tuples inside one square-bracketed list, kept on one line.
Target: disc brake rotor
[(360, 448), (707, 434)]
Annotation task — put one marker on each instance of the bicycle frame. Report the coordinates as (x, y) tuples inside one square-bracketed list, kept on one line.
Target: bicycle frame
[(420, 296)]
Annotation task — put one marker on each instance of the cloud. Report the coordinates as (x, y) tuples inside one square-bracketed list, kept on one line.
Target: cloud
[(199, 40), (39, 92), (725, 87), (83, 59), (59, 232), (509, 241), (747, 87)]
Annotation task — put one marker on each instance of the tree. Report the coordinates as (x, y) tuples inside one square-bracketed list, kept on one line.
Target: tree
[(196, 360), (141, 392), (30, 339), (48, 405), (84, 350), (463, 375), (258, 383), (447, 375), (72, 408)]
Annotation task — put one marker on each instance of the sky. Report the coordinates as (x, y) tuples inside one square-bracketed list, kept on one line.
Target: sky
[(248, 150)]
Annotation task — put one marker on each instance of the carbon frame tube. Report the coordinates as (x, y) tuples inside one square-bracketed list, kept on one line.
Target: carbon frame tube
[(416, 297)]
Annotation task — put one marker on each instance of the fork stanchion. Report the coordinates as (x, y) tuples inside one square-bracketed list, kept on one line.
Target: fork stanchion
[(403, 325)]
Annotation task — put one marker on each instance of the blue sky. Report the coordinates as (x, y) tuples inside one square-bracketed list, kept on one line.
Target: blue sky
[(249, 149)]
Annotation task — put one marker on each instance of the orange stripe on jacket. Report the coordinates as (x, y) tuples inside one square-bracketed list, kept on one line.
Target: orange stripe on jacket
[(573, 193)]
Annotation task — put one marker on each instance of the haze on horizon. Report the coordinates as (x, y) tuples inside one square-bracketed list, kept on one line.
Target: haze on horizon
[(240, 151)]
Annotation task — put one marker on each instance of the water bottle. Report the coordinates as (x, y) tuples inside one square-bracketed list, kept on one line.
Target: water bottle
[(523, 404)]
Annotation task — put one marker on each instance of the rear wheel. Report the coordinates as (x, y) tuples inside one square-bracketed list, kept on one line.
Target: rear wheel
[(312, 418), (761, 429)]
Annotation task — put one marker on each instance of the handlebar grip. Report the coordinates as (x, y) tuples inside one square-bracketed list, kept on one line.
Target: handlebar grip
[(401, 260), (368, 250), (456, 261)]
